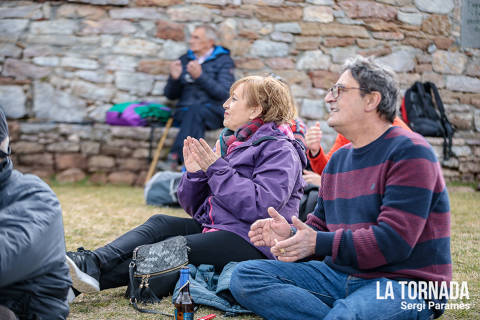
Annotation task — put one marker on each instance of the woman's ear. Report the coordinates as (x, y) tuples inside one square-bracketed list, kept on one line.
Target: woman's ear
[(255, 112), (373, 100)]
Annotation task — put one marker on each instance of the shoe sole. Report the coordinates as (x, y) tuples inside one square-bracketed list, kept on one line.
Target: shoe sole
[(82, 281)]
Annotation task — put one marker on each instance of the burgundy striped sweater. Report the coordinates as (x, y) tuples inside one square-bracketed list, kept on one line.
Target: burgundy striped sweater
[(383, 210)]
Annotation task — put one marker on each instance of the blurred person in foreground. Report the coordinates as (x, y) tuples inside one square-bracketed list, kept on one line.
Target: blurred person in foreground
[(34, 280), (382, 217), (200, 80), (256, 164)]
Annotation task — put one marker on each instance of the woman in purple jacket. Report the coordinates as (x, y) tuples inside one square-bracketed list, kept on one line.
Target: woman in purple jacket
[(256, 164)]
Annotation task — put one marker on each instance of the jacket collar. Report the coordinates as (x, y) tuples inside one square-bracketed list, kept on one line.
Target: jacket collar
[(6, 168), (217, 51)]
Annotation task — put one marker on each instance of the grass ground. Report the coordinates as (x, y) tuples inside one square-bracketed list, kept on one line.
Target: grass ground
[(95, 215)]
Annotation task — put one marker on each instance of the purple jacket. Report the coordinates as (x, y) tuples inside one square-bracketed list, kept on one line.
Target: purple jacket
[(265, 171)]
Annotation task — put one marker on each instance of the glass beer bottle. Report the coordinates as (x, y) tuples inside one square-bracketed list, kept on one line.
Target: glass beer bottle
[(184, 303)]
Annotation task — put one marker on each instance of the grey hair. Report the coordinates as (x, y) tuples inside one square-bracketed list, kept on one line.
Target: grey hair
[(373, 77), (210, 32)]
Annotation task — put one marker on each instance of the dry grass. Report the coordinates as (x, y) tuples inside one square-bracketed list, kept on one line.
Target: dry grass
[(95, 215)]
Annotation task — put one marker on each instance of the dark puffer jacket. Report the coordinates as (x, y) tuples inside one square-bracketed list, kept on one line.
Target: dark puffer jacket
[(34, 278), (211, 88)]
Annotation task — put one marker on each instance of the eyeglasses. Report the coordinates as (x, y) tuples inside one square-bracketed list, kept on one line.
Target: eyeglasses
[(337, 89)]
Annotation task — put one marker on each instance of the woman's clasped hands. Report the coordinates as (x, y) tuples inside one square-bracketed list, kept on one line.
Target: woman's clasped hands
[(198, 155)]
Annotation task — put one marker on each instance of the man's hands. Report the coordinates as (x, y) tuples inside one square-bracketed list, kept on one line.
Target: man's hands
[(274, 232), (313, 138), (300, 246), (198, 155), (264, 232), (193, 68), (176, 69)]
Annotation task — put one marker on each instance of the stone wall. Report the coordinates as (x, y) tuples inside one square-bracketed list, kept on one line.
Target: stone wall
[(64, 63)]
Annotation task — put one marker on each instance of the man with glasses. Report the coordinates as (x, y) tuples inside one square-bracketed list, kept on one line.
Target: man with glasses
[(34, 279), (200, 80), (382, 217)]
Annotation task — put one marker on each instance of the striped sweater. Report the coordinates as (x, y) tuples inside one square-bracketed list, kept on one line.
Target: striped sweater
[(383, 210)]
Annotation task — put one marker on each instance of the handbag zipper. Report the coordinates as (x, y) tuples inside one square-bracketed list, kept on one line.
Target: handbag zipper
[(146, 276)]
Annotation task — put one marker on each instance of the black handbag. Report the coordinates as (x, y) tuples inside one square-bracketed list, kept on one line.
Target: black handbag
[(154, 271)]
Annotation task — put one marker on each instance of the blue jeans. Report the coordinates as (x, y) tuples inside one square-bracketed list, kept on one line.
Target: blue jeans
[(313, 290)]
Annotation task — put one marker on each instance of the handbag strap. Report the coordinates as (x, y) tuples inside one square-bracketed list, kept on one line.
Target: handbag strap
[(133, 299)]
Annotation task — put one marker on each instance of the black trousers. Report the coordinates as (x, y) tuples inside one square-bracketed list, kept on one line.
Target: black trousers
[(216, 248)]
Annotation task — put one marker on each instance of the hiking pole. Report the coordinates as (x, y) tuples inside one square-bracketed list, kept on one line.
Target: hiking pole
[(154, 162)]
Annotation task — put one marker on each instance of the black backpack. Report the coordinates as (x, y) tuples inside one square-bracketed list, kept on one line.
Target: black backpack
[(422, 109)]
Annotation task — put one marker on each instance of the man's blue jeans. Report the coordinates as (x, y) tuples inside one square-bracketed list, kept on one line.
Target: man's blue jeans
[(313, 290)]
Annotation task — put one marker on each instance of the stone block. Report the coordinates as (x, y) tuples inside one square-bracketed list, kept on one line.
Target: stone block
[(307, 43), (281, 36), (119, 63), (249, 63), (134, 82), (279, 14), (136, 14), (437, 25), (290, 27), (413, 18), (265, 48), (9, 50), (368, 9), (81, 11), (172, 50), (37, 160), (190, 13), (157, 3), (71, 175), (13, 100), (107, 26), (313, 60), (170, 30), (89, 148), (402, 60), (122, 177), (435, 6), (52, 104), (136, 47), (333, 30), (449, 62), (91, 91), (323, 78), (322, 14), (101, 162), (23, 70), (33, 12), (463, 83), (27, 147), (98, 178), (312, 109), (61, 26), (11, 29), (280, 63), (70, 160)]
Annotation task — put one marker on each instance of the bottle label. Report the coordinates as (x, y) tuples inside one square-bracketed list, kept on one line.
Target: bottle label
[(183, 315)]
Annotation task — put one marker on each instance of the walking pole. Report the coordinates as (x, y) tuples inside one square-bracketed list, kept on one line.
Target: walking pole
[(153, 164)]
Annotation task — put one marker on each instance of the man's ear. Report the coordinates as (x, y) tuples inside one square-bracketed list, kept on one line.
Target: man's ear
[(255, 112), (373, 100)]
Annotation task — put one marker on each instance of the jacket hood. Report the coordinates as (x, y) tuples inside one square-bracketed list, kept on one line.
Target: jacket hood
[(217, 51)]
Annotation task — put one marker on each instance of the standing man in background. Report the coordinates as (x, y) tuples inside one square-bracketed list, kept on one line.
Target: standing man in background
[(201, 80)]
